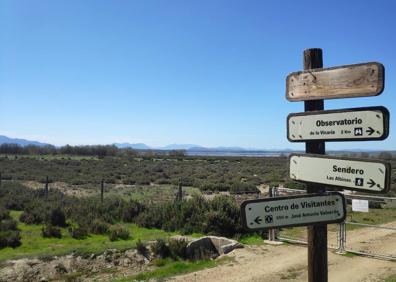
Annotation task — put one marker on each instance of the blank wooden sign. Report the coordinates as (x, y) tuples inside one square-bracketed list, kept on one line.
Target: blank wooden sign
[(358, 80)]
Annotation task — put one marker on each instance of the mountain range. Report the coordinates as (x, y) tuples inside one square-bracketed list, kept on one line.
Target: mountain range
[(21, 142), (188, 147), (137, 146)]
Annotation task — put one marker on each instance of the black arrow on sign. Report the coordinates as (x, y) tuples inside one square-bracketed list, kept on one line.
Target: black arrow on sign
[(371, 183), (258, 220), (370, 130)]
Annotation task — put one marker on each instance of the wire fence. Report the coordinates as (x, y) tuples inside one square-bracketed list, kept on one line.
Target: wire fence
[(352, 236)]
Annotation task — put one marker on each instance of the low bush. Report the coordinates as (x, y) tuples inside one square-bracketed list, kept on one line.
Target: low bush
[(9, 233), (8, 224), (31, 218), (10, 238), (141, 248), (77, 231), (118, 232), (4, 213), (98, 226), (177, 248), (58, 217), (160, 249), (50, 231)]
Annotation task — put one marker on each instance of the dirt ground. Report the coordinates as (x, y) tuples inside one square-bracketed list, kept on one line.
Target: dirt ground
[(289, 262)]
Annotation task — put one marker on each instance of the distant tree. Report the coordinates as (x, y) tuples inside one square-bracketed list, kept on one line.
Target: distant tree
[(177, 153), (364, 155), (385, 155)]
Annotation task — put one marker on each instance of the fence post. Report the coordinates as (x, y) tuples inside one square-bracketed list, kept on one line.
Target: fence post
[(341, 238), (46, 187), (0, 179), (272, 233), (179, 193), (101, 190)]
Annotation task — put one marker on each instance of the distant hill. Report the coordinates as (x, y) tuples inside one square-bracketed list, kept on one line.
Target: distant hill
[(21, 142), (138, 146), (216, 149), (177, 147)]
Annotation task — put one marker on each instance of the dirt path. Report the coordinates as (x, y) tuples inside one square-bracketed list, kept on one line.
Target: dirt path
[(288, 262)]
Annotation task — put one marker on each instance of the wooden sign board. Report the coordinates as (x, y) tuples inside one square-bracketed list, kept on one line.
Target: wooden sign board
[(298, 210), (357, 124), (347, 173), (348, 81)]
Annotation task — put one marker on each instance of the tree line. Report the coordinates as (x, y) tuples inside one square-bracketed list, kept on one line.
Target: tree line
[(83, 150)]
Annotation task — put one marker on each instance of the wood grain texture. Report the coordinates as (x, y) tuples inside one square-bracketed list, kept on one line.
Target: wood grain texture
[(348, 81)]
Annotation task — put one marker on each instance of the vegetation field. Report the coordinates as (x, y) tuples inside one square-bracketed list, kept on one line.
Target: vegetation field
[(205, 173), (140, 202), (34, 245)]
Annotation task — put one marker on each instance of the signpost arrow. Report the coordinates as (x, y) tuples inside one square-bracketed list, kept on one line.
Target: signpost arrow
[(371, 183), (298, 210), (364, 175), (370, 131), (356, 124)]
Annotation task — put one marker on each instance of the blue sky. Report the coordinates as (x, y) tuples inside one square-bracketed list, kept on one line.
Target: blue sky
[(204, 72)]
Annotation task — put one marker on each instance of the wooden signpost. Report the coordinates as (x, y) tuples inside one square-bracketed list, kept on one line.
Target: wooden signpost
[(359, 80), (314, 127), (371, 123)]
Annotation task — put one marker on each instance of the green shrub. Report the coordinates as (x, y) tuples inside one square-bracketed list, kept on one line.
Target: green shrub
[(150, 218), (8, 224), (118, 232), (98, 226), (160, 249), (141, 248), (31, 218), (77, 231), (57, 217), (9, 234), (4, 213), (131, 210), (177, 248), (10, 238), (50, 231)]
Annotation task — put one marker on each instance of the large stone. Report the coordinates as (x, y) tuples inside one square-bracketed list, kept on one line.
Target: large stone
[(210, 247), (224, 245), (202, 248)]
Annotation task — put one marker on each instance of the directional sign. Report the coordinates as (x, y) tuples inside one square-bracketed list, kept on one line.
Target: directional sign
[(359, 80), (347, 173), (298, 210), (339, 125)]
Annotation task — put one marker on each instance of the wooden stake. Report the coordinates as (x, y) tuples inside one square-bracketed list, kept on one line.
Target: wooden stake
[(180, 192), (46, 187), (317, 234), (101, 190)]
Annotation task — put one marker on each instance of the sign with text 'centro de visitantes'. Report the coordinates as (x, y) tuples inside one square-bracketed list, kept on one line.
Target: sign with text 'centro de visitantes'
[(298, 210)]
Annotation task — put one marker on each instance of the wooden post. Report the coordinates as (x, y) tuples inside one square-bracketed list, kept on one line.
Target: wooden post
[(46, 187), (317, 234), (101, 190), (180, 192), (0, 179)]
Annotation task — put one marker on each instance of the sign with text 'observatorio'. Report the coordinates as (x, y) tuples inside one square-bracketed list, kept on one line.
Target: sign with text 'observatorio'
[(356, 124), (298, 210), (348, 173)]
